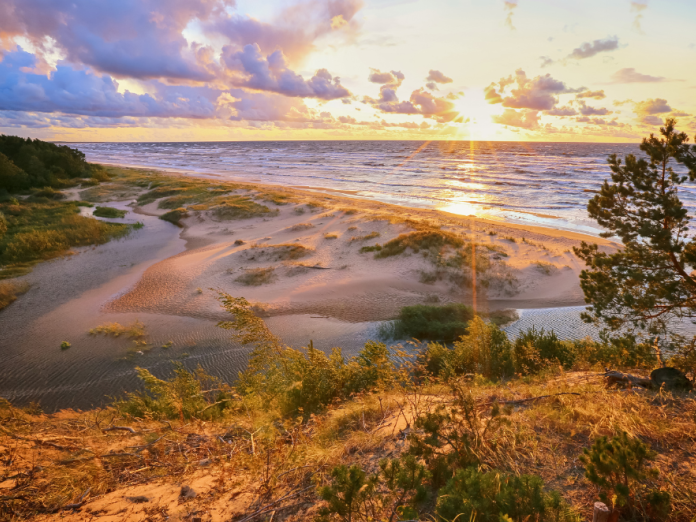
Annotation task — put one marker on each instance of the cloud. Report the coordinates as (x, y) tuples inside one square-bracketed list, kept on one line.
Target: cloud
[(652, 106), (596, 95), (526, 119), (586, 110), (79, 91), (438, 77), (638, 7), (562, 111), (129, 38), (519, 92), (393, 77), (420, 102), (630, 75), (590, 49), (509, 7), (252, 70), (546, 61), (647, 110), (145, 39)]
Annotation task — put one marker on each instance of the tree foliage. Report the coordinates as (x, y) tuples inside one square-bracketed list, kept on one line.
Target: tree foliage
[(648, 282), (27, 163)]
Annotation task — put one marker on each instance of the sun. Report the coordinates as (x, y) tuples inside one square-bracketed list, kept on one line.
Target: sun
[(477, 114)]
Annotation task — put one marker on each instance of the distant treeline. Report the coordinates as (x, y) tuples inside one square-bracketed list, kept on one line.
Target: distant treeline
[(27, 163)]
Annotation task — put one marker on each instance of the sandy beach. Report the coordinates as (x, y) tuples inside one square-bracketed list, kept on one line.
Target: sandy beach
[(301, 265)]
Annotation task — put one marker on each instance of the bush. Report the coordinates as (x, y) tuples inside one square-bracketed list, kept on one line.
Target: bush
[(185, 396), (535, 349), (440, 323), (109, 212), (495, 496), (618, 467), (484, 350)]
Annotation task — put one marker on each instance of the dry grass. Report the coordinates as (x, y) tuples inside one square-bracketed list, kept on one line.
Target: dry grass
[(251, 458), (331, 236), (280, 252), (135, 330), (544, 267), (10, 290), (257, 276), (300, 226), (366, 237)]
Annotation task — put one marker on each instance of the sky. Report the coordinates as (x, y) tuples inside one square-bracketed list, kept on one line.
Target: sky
[(220, 70)]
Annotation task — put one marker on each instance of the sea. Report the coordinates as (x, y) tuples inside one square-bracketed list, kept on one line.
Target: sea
[(543, 184)]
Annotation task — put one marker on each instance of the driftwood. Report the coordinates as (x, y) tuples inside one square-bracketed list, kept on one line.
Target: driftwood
[(612, 377), (120, 428)]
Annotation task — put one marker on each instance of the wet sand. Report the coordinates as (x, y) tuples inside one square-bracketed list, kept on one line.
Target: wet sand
[(161, 276)]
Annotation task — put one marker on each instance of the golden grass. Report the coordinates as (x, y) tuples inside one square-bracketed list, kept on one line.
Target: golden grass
[(280, 252), (545, 437), (257, 276), (135, 330), (10, 290)]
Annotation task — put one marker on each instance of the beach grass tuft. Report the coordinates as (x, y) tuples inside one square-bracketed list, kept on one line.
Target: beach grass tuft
[(257, 276), (109, 212), (10, 290)]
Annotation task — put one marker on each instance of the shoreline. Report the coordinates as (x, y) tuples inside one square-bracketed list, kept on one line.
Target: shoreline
[(237, 178)]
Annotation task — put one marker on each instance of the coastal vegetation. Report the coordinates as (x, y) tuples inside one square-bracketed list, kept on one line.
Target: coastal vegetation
[(10, 290), (488, 427), (27, 164), (109, 212)]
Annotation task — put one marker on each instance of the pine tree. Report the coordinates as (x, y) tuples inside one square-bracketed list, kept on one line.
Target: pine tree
[(648, 283)]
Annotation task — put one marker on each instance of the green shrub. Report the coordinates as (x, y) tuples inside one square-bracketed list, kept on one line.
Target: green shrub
[(440, 323), (536, 349), (484, 350), (495, 496), (457, 435), (373, 248), (618, 467), (186, 395), (3, 225), (109, 212)]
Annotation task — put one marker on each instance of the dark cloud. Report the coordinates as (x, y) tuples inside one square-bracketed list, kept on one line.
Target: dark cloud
[(271, 73), (525, 119), (630, 75), (590, 49), (129, 38), (144, 39), (596, 95), (519, 92), (438, 77), (79, 91), (586, 110)]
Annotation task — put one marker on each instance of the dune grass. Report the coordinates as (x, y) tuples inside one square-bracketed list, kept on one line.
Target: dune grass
[(109, 212), (419, 240), (280, 252), (40, 231), (300, 227), (365, 237), (331, 236), (135, 330), (257, 276), (10, 290)]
